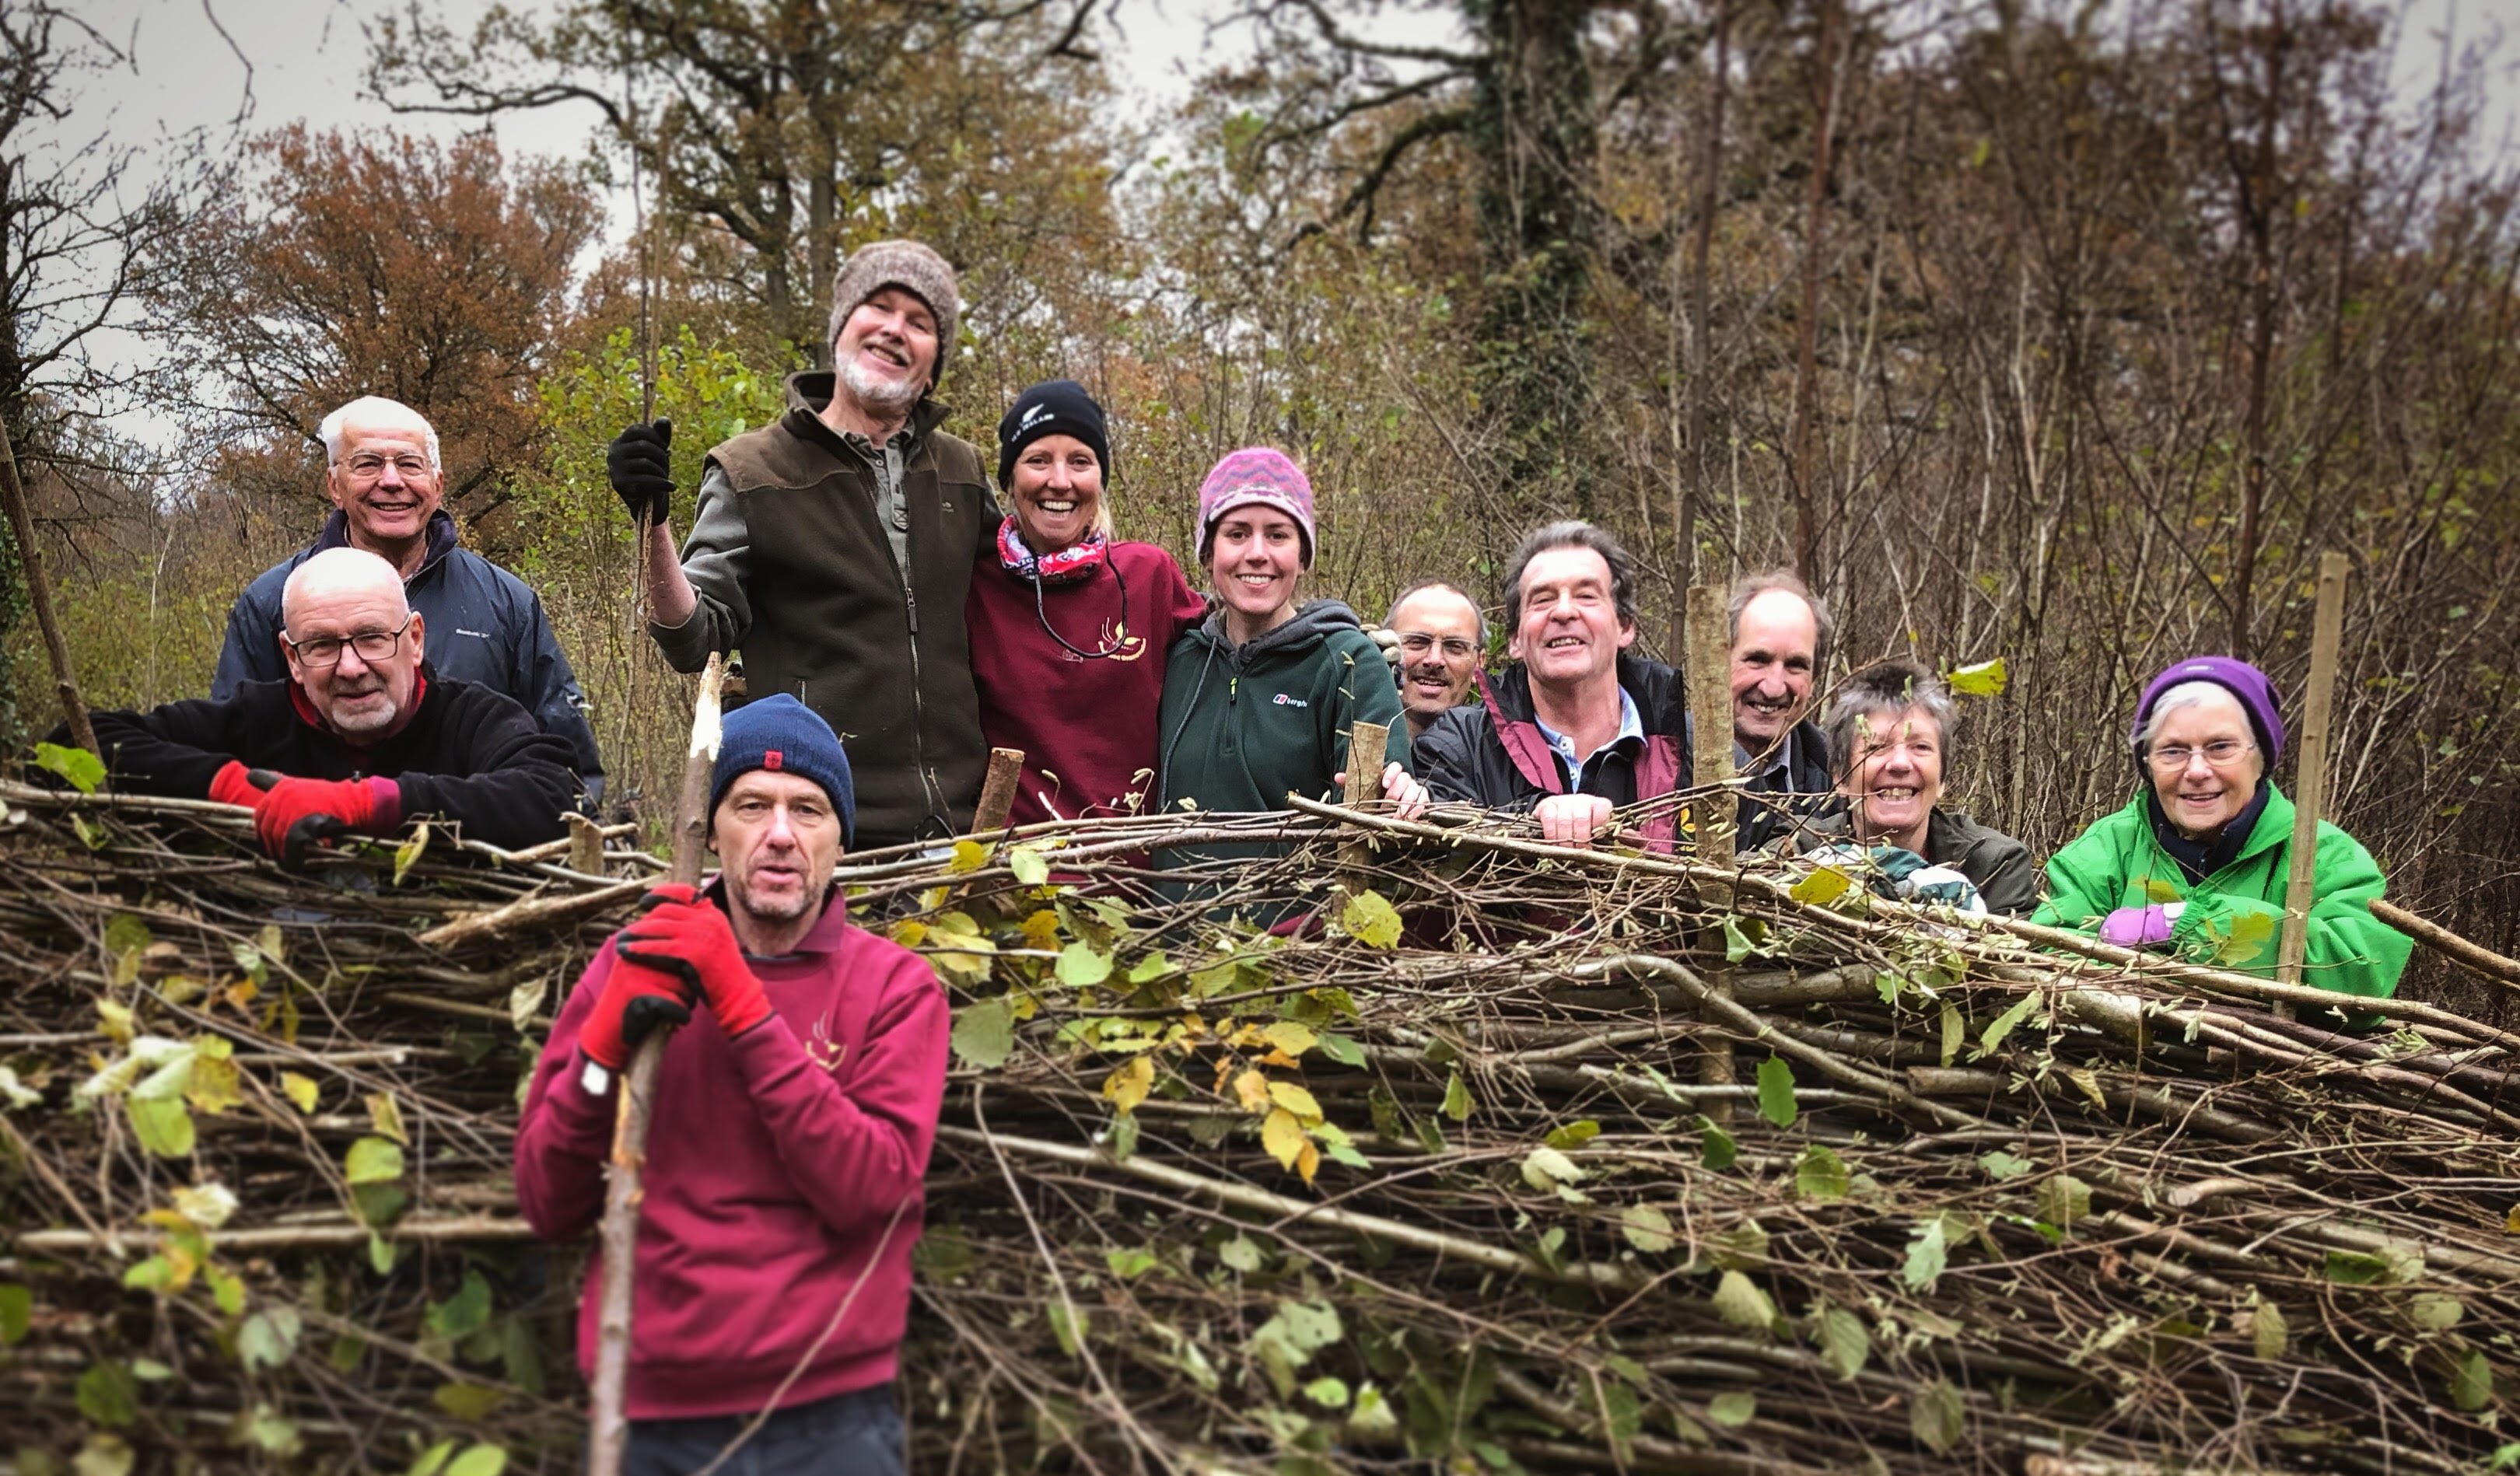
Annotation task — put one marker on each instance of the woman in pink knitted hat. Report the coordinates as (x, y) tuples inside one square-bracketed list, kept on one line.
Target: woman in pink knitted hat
[(1259, 697)]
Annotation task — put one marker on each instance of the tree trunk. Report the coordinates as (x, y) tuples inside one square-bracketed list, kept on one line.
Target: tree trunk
[(1807, 325)]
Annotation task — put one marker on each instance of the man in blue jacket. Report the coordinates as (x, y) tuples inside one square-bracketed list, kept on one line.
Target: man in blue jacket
[(485, 626)]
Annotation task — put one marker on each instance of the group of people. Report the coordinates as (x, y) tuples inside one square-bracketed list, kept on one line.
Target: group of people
[(895, 625)]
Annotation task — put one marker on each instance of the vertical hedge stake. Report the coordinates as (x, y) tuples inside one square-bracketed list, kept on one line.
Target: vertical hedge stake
[(1710, 711), (998, 790), (610, 1422), (39, 593), (2310, 779)]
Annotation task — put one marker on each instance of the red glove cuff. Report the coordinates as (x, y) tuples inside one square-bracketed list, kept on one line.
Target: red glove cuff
[(231, 785)]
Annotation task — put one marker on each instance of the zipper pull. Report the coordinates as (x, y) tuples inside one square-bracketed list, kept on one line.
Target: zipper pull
[(910, 600), (1232, 685)]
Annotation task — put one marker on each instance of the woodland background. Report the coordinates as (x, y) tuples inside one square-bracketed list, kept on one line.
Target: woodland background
[(2065, 334)]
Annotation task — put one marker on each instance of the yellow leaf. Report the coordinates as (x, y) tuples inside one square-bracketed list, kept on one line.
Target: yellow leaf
[(1284, 1137), (299, 1089), (1295, 1100), (1984, 680), (1127, 1087), (2511, 1221), (1308, 1160), (1041, 931), (1251, 1090), (1822, 887), (969, 855), (385, 1116), (1289, 1036), (909, 932)]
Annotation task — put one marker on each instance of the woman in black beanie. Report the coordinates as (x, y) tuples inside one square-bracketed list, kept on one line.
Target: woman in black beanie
[(1068, 627)]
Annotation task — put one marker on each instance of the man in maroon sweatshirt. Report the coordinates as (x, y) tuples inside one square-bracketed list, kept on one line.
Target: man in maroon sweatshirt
[(792, 1123)]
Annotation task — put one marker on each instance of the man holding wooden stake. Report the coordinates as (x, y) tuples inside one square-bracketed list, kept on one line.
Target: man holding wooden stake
[(790, 1132)]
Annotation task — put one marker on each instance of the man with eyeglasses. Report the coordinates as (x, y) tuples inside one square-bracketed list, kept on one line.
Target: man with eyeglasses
[(387, 487), (1437, 634), (360, 736)]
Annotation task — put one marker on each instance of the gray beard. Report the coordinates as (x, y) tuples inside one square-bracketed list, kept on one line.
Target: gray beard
[(880, 397)]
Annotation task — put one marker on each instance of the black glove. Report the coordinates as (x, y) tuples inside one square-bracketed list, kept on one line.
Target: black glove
[(642, 472)]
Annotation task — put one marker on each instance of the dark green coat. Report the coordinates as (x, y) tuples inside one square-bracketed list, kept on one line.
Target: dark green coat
[(2234, 916)]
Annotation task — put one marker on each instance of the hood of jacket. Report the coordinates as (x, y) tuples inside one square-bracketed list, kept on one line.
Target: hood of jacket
[(1315, 621)]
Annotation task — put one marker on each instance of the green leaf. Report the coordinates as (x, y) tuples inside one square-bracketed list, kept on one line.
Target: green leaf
[(1733, 1409), (2004, 1166), (16, 1312), (1927, 1255), (268, 1337), (1984, 680), (164, 1126), (1341, 1048), (465, 1313), (2002, 1025), (1082, 967), (984, 1034), (433, 1459), (1031, 868), (79, 769), (1820, 1173), (1456, 1099), (2434, 1310), (1069, 1325), (373, 1160), (469, 1401), (1938, 1418), (2267, 1326), (1546, 1169), (1242, 1253), (102, 1453), (301, 1090), (1647, 1228), (2471, 1382), (1573, 1135), (408, 854), (109, 1395), (479, 1461), (1844, 1342), (1740, 1301), (1955, 1033), (1370, 919), (1130, 1264), (2352, 1268), (2064, 1201), (1739, 939), (1328, 1393), (1776, 1091), (1822, 887), (1716, 1149)]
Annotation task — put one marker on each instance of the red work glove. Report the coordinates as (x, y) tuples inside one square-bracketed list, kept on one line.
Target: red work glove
[(235, 785), (294, 814), (636, 999), (685, 934)]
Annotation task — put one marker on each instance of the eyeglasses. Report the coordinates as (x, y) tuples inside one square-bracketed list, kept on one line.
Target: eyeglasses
[(1418, 642), (2219, 753), (373, 646), (368, 465)]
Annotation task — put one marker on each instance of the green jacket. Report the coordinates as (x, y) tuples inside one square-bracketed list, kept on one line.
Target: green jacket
[(2235, 918), (1244, 726)]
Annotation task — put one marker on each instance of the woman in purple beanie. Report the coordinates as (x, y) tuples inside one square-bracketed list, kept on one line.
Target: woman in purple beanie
[(2198, 861)]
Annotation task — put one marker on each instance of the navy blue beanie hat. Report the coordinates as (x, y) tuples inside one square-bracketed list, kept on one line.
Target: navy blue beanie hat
[(781, 734), (1052, 407)]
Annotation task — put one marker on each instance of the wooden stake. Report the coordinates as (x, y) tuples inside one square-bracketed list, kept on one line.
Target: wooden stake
[(585, 844), (998, 790), (39, 593), (1365, 745), (2310, 779), (609, 1434), (1710, 710)]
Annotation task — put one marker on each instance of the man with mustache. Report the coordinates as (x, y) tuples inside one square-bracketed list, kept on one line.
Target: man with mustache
[(836, 547), (361, 736), (1779, 633), (387, 490), (1433, 638)]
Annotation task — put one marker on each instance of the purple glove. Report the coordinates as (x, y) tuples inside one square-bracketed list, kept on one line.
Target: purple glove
[(2136, 926)]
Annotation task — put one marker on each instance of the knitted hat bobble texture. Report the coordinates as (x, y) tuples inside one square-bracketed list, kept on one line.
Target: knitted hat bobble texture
[(1053, 407), (781, 734), (1260, 475), (909, 266)]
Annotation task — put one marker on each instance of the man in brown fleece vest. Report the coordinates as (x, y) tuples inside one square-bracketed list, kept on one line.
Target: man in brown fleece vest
[(834, 547)]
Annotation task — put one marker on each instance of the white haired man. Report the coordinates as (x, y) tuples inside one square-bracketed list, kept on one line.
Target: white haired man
[(361, 736), (388, 489)]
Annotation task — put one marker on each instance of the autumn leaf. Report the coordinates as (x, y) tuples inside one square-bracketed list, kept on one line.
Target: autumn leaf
[(1282, 1136), (1128, 1087)]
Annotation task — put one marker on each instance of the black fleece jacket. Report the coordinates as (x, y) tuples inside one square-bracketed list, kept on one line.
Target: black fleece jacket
[(469, 755)]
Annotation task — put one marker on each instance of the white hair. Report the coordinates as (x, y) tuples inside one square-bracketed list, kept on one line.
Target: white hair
[(373, 406), (2190, 694)]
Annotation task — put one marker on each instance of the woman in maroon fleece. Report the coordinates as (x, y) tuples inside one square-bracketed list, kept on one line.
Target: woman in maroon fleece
[(793, 1124), (1069, 628)]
